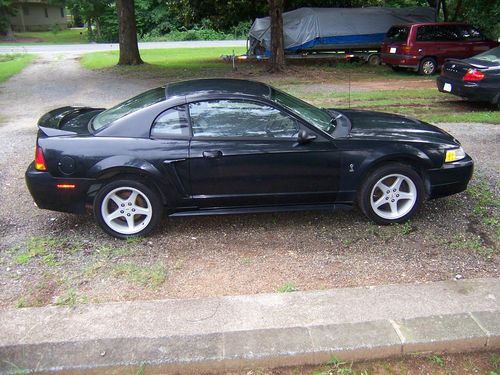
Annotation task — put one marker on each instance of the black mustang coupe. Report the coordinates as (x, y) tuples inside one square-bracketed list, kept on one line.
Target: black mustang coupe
[(222, 146)]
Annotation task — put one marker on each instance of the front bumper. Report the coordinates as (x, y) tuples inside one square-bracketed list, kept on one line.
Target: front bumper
[(471, 90), (450, 179), (46, 194)]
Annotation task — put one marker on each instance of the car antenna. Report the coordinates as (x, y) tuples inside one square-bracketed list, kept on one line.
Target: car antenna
[(349, 96)]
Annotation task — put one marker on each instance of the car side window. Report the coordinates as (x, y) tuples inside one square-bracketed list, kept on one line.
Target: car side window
[(435, 33), (239, 118), (171, 123), (470, 33), (425, 33)]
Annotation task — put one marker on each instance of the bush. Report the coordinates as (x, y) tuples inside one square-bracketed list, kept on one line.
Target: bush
[(203, 31), (55, 28)]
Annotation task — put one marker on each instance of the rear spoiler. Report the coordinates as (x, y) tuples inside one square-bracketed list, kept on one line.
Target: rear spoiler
[(52, 122)]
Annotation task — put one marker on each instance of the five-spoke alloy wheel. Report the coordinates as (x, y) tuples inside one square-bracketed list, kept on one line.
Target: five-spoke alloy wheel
[(391, 194), (127, 208)]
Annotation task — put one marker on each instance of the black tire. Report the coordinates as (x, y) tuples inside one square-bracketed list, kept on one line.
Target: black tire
[(374, 60), (147, 199), (405, 207), (428, 66)]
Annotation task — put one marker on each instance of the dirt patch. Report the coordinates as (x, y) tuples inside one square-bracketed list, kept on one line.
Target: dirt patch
[(436, 364)]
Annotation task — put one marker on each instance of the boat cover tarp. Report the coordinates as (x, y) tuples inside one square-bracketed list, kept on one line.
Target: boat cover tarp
[(305, 28)]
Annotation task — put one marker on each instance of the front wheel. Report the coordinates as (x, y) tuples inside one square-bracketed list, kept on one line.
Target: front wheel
[(391, 194), (127, 208)]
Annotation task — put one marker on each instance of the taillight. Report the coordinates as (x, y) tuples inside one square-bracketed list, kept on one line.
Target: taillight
[(473, 75), (406, 49), (39, 160)]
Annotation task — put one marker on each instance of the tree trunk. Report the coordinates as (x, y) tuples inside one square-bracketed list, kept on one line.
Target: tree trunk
[(89, 27), (98, 28), (277, 60), (445, 11), (127, 33), (458, 11)]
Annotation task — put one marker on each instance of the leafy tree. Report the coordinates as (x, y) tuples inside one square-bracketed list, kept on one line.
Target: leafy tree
[(91, 11), (7, 10)]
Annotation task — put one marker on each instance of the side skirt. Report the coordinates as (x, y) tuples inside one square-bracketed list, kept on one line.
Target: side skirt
[(266, 209)]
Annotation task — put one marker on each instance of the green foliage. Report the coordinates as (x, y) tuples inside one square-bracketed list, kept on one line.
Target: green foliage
[(7, 9), (436, 359), (71, 298), (55, 28), (152, 276), (287, 287)]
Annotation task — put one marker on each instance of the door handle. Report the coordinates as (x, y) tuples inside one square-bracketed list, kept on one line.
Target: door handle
[(212, 154)]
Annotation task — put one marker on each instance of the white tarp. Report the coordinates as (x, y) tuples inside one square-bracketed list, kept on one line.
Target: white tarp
[(304, 27)]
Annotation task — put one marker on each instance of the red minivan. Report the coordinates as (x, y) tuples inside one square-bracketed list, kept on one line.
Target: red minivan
[(424, 47)]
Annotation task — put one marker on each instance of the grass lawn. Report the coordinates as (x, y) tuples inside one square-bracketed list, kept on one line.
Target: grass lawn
[(171, 61), (13, 63), (66, 36), (325, 84)]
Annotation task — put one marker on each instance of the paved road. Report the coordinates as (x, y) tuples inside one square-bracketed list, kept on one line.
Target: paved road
[(92, 47)]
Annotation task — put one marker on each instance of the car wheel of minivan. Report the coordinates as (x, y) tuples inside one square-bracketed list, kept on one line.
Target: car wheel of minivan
[(428, 66)]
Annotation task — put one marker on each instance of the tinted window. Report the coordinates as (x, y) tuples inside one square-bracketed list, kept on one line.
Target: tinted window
[(134, 104), (435, 33), (469, 33), (397, 33), (235, 118), (171, 123)]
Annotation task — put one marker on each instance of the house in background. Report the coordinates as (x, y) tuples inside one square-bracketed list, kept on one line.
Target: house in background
[(37, 15)]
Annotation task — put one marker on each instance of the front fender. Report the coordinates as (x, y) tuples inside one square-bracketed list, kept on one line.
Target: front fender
[(357, 164)]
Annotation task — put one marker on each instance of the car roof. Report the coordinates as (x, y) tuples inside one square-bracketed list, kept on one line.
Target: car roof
[(433, 24), (217, 86)]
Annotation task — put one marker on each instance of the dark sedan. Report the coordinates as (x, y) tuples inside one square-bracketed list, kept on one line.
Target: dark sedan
[(476, 78), (223, 146)]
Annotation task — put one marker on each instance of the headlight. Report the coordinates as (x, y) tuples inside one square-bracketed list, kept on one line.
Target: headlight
[(454, 155)]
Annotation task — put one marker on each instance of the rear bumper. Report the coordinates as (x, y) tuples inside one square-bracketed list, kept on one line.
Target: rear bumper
[(46, 194), (403, 61), (471, 90), (451, 178)]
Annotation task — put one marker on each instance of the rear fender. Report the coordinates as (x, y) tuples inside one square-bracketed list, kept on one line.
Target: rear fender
[(115, 166)]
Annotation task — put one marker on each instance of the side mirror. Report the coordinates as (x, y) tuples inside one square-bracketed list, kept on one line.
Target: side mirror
[(305, 137)]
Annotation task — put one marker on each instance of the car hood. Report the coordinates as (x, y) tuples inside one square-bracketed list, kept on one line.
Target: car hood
[(67, 120), (386, 126)]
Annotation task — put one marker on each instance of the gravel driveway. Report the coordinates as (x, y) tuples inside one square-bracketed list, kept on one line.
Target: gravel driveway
[(213, 255)]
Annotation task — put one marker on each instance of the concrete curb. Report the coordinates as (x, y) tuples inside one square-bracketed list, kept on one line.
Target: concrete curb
[(268, 330)]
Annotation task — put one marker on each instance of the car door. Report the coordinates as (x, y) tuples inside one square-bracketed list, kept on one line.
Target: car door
[(169, 149), (245, 153)]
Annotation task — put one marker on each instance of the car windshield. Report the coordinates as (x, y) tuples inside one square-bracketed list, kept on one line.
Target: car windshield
[(317, 117), (143, 100), (492, 55)]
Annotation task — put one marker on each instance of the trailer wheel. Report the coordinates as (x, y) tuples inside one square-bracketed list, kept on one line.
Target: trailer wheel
[(374, 59)]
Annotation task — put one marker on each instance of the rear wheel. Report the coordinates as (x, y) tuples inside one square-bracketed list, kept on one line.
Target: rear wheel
[(391, 194), (428, 66), (127, 208), (374, 60)]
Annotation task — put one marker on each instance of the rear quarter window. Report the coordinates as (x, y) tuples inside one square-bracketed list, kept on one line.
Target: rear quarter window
[(397, 34)]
